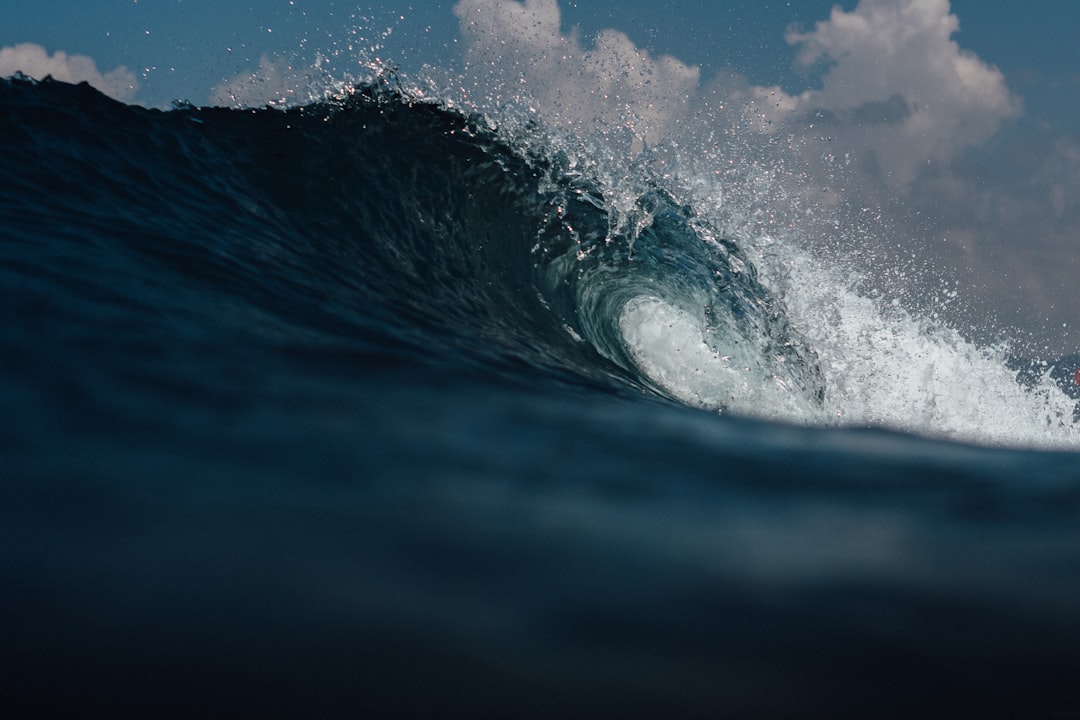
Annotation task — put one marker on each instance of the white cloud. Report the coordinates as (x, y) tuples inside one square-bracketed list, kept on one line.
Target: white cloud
[(519, 47), (277, 82), (900, 91), (33, 60)]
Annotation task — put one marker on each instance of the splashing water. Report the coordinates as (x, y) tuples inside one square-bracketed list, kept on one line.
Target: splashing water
[(879, 364)]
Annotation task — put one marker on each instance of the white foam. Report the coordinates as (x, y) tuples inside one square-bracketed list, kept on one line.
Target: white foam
[(886, 367), (668, 344), (883, 367)]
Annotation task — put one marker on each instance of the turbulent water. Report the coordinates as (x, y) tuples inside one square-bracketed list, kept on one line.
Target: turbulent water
[(374, 406)]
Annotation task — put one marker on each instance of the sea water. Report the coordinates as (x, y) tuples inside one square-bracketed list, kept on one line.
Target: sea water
[(386, 406)]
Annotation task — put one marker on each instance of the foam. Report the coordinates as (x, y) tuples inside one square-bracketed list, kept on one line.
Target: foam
[(885, 366), (669, 345)]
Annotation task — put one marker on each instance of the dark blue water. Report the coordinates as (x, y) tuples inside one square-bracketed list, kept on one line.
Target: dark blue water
[(340, 410)]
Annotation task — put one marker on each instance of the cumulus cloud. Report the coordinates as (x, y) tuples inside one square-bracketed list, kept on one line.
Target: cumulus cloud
[(35, 61), (900, 91), (277, 82), (1021, 232), (517, 47)]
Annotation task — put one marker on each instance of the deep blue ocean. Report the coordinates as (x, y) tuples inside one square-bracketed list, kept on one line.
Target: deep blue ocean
[(379, 408)]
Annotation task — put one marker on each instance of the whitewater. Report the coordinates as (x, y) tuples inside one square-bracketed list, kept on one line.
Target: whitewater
[(403, 397), (881, 363)]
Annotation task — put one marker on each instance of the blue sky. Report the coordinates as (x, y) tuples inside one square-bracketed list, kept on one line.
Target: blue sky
[(961, 115), (182, 48)]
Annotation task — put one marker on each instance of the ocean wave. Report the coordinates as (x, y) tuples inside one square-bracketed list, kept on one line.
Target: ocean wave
[(385, 219), (412, 221)]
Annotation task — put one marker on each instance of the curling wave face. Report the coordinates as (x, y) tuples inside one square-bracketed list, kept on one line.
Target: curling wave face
[(403, 223)]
